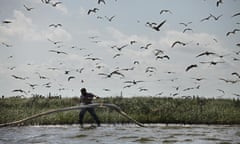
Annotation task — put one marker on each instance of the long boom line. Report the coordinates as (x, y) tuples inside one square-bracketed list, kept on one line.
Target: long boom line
[(113, 106)]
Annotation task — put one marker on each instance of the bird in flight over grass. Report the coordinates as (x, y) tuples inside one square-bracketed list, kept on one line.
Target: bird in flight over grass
[(19, 90)]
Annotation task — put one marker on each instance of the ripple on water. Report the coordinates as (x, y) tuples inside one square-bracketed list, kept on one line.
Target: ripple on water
[(144, 139)]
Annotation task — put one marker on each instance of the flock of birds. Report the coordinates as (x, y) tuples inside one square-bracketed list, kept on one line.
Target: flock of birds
[(120, 73)]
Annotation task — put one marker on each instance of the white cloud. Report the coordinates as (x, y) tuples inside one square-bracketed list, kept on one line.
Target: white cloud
[(58, 34), (23, 27)]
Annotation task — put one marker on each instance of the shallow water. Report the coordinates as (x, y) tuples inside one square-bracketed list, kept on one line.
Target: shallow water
[(127, 134)]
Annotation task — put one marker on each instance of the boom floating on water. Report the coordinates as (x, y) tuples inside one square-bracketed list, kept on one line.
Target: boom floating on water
[(113, 106)]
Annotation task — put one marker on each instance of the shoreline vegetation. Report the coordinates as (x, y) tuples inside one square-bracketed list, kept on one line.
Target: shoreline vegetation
[(147, 110)]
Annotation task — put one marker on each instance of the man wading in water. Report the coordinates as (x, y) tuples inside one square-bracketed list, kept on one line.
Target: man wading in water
[(87, 98)]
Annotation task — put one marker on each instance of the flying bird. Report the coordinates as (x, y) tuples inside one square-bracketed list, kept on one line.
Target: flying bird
[(190, 67), (58, 52), (157, 28), (93, 59), (229, 81), (20, 78), (56, 3), (55, 25), (158, 51), (236, 14), (216, 18), (222, 91), (41, 76), (133, 42), (79, 70), (238, 95), (146, 47), (150, 24), (28, 8), (94, 10), (110, 18), (19, 90), (116, 72), (165, 11), (71, 77), (187, 29), (6, 22), (185, 24), (32, 85), (207, 53), (219, 2), (116, 55), (232, 32), (101, 1), (46, 1), (162, 57), (178, 42), (199, 79), (212, 62), (142, 89), (6, 45), (121, 47), (150, 69), (236, 74), (54, 42), (133, 82), (207, 18)]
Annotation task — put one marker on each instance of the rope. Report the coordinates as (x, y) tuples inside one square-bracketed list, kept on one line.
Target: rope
[(113, 106)]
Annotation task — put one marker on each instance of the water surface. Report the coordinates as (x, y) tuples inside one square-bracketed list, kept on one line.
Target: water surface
[(127, 134)]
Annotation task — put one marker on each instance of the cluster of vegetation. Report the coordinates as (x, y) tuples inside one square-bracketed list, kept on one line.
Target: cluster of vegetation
[(143, 109)]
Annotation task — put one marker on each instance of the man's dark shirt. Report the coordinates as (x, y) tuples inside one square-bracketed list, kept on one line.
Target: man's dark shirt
[(87, 98)]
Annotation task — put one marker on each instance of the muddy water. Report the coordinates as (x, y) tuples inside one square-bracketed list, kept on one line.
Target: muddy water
[(122, 134)]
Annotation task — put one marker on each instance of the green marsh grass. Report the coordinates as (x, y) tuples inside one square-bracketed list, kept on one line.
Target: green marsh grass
[(143, 109)]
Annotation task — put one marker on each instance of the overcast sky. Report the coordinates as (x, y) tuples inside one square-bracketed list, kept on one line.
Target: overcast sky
[(30, 62)]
